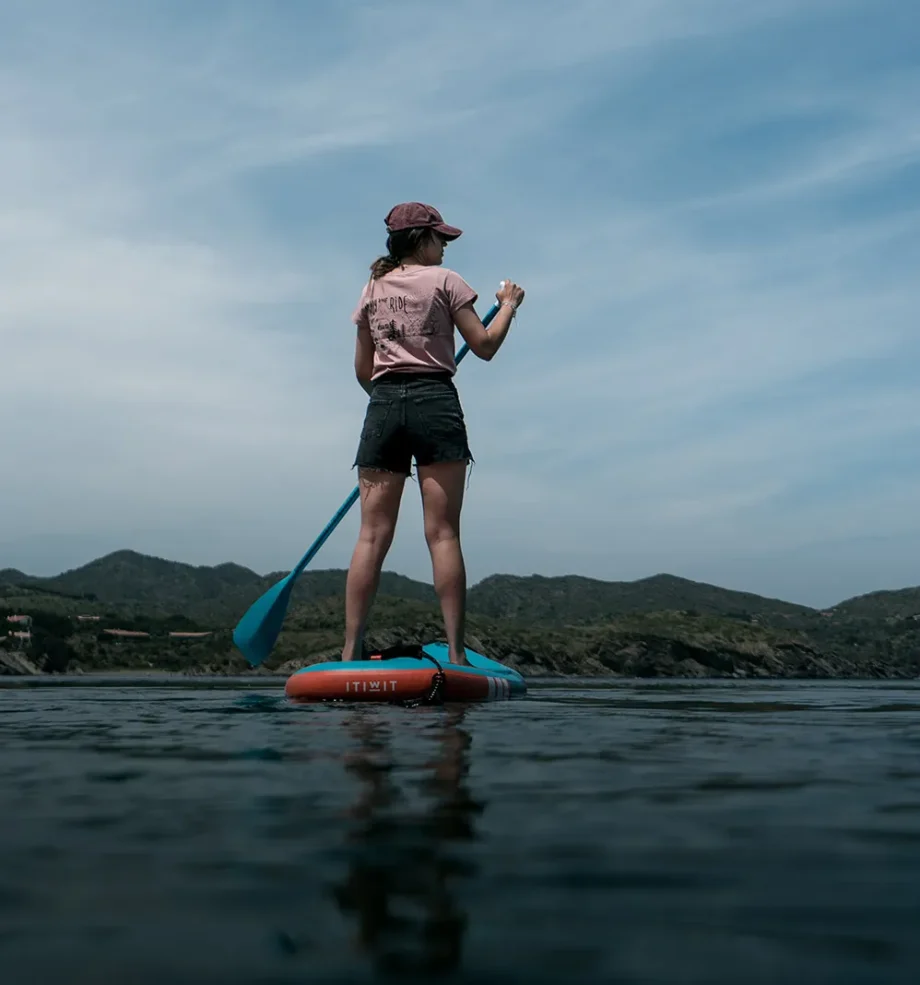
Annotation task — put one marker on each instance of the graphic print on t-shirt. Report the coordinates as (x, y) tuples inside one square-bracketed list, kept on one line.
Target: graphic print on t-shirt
[(409, 315), (392, 319)]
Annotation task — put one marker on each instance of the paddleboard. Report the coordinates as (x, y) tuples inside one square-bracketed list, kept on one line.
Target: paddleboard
[(428, 677)]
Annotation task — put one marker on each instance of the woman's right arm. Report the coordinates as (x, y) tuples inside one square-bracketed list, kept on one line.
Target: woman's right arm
[(485, 342)]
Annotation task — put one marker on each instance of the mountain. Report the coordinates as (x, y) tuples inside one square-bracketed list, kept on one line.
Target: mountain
[(127, 576), (574, 599), (571, 624), (223, 592), (902, 603), (219, 594), (10, 576)]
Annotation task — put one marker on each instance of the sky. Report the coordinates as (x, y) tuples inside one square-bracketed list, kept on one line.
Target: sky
[(712, 206)]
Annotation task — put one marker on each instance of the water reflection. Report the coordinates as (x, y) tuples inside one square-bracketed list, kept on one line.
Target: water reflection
[(403, 851)]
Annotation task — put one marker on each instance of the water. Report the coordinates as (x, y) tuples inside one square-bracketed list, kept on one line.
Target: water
[(639, 832)]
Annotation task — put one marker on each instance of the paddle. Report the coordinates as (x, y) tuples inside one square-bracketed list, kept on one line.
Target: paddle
[(256, 632)]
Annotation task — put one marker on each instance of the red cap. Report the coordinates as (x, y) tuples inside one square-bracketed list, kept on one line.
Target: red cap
[(415, 215)]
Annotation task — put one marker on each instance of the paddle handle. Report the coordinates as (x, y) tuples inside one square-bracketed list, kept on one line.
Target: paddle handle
[(490, 314)]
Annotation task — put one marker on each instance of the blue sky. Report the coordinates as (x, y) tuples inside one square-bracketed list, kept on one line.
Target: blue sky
[(713, 207)]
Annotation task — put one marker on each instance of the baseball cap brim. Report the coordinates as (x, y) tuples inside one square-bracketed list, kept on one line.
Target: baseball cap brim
[(448, 232)]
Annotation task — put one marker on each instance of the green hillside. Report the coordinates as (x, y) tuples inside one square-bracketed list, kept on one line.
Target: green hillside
[(573, 625), (572, 599), (900, 604), (220, 594)]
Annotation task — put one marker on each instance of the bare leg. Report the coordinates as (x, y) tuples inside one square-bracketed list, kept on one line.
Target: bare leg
[(442, 500), (380, 496)]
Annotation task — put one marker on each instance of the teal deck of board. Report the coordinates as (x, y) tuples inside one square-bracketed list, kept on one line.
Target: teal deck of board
[(481, 666)]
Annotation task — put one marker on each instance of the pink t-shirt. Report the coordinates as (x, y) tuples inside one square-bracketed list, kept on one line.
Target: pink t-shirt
[(409, 312)]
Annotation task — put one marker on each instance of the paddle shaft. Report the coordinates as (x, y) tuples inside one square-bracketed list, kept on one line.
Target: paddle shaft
[(353, 495)]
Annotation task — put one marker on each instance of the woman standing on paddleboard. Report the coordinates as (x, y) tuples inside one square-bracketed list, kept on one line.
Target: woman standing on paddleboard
[(404, 359)]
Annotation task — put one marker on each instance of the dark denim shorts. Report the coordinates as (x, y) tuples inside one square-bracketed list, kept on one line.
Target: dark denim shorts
[(412, 415)]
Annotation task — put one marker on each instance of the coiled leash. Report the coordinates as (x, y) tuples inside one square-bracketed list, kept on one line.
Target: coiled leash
[(434, 695)]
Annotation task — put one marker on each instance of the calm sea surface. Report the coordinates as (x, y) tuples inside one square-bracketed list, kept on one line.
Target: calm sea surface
[(176, 831)]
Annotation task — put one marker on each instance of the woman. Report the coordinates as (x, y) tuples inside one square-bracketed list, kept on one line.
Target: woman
[(404, 359)]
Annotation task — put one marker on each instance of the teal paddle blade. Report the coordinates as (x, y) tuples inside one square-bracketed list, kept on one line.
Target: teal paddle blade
[(256, 632)]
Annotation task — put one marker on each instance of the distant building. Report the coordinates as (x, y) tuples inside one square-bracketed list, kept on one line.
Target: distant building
[(24, 636)]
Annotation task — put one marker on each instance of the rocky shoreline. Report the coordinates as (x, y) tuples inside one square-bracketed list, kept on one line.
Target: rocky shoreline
[(17, 664), (610, 656)]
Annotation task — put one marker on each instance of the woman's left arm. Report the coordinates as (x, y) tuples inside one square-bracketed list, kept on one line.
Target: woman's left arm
[(364, 357)]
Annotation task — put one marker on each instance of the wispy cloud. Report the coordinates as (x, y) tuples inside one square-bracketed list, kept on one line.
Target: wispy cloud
[(713, 207)]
